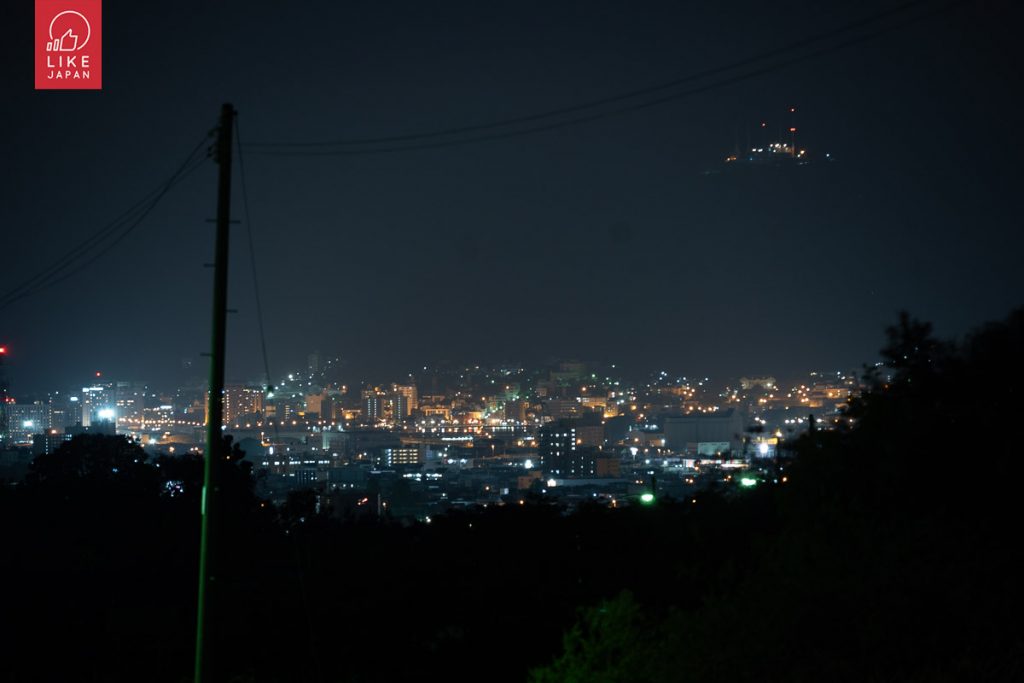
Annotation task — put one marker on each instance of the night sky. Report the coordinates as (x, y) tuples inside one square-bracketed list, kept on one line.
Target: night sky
[(600, 241)]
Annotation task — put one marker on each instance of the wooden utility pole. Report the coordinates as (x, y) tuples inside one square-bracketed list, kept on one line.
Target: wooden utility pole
[(215, 414)]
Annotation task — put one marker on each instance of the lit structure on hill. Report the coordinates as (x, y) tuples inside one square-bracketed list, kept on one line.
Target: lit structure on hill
[(780, 151)]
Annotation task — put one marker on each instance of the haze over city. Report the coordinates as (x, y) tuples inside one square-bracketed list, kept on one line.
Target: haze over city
[(605, 240)]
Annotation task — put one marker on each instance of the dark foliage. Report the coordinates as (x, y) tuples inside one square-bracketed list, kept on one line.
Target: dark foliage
[(889, 555), (892, 554)]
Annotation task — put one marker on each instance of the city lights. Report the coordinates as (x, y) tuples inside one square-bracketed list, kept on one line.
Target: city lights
[(418, 358)]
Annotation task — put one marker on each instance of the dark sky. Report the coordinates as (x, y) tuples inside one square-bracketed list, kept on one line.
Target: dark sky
[(602, 240)]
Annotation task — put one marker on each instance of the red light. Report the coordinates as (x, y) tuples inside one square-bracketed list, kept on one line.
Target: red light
[(3, 350), (792, 130), (764, 124), (97, 373)]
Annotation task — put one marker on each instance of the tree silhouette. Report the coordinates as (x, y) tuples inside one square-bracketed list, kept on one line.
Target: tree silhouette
[(94, 460), (886, 560)]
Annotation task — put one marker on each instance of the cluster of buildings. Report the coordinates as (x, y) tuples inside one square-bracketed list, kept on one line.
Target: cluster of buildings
[(461, 436)]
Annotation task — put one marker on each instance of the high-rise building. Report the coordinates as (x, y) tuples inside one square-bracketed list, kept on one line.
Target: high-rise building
[(26, 419), (399, 407), (130, 401), (239, 402), (556, 447), (409, 399), (64, 412), (95, 403), (374, 404)]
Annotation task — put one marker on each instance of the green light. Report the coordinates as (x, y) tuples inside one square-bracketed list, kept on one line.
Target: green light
[(748, 481), (647, 498)]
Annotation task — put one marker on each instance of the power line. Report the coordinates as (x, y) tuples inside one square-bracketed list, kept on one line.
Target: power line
[(252, 256), (126, 232), (314, 148), (84, 246), (49, 276), (105, 239), (300, 574)]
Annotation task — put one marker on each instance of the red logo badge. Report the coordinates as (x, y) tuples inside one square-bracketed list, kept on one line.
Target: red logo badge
[(68, 42)]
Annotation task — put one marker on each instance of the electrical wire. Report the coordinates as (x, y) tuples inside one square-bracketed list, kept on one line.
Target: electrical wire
[(97, 238), (105, 239), (299, 571), (199, 163), (321, 148), (252, 258)]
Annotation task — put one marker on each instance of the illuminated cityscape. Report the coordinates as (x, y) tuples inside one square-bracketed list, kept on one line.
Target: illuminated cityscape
[(473, 435), (522, 341)]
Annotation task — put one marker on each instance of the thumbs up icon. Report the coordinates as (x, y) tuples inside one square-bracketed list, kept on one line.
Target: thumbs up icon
[(66, 43)]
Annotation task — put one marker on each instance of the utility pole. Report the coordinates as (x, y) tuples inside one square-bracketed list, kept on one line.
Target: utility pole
[(4, 433), (215, 414)]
